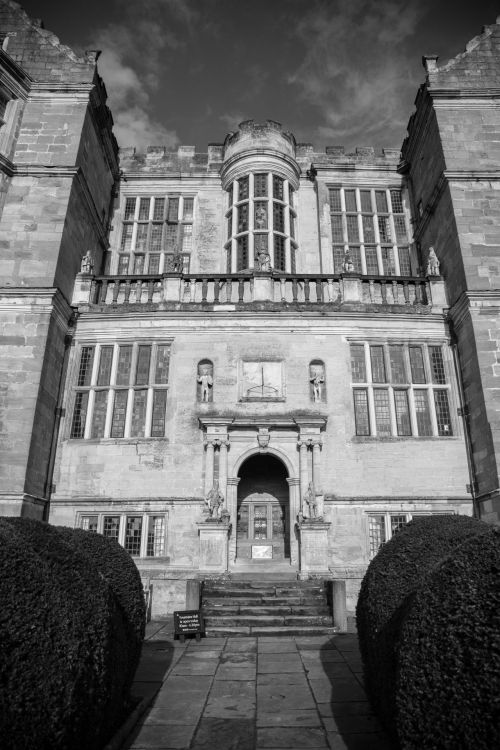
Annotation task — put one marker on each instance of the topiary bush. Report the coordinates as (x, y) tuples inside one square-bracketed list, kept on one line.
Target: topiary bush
[(447, 694), (120, 571), (399, 570), (63, 644)]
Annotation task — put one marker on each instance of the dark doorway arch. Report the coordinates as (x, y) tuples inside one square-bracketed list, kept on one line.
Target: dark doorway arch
[(263, 509)]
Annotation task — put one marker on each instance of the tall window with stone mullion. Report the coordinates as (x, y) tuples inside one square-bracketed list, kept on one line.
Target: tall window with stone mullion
[(260, 222), (121, 391), (370, 225)]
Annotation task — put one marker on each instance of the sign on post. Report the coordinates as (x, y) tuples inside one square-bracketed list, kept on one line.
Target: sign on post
[(188, 622)]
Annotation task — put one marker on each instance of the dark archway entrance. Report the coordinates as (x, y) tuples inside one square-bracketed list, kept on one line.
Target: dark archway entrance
[(263, 510)]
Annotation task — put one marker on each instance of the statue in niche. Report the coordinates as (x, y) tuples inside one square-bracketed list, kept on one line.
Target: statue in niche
[(264, 260), (432, 263), (214, 502), (87, 264), (310, 503), (317, 379), (206, 381), (348, 265)]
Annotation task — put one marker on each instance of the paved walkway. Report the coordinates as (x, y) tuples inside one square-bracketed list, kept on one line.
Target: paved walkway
[(253, 693)]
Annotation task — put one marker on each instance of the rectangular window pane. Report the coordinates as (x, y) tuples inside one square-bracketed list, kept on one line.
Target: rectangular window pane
[(144, 209), (243, 189), (350, 200), (243, 217), (381, 201), (279, 253), (105, 361), (361, 416), (397, 201), (368, 229), (334, 196), (99, 414), (129, 212), (382, 412), (260, 242), (230, 194), (156, 536), (89, 523), (119, 413), (173, 209), (397, 362), (123, 262), (260, 522), (86, 362), (352, 228), (154, 264), (437, 365), (397, 523), (337, 230), (242, 253), (159, 209), (278, 217), (187, 238), (366, 200), (371, 261), (133, 533), (377, 533), (137, 428), (404, 261), (384, 229), (139, 264), (260, 215), (142, 370), (417, 364), (338, 259), (124, 365), (111, 527), (156, 237), (142, 238), (422, 412), (230, 224), (162, 363), (388, 264), (400, 227), (260, 185), (278, 188), (126, 241), (355, 255), (402, 412), (358, 363), (378, 364), (188, 209), (79, 414), (159, 409), (171, 239), (442, 413)]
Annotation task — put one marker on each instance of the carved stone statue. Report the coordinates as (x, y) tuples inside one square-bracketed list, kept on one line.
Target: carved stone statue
[(87, 264), (348, 264), (317, 379), (214, 501), (432, 263), (309, 503), (206, 382), (264, 260)]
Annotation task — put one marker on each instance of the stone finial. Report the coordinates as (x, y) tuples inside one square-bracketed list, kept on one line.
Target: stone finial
[(87, 264), (432, 263), (92, 55), (430, 63)]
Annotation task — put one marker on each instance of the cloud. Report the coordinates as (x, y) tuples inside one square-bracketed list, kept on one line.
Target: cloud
[(231, 120), (355, 71)]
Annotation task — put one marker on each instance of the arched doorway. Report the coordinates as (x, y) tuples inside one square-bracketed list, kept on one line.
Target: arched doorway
[(263, 528)]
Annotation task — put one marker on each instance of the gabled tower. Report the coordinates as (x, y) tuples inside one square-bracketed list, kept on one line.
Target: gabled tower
[(452, 159)]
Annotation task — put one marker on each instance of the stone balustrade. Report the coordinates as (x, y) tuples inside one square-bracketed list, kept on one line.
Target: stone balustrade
[(236, 290)]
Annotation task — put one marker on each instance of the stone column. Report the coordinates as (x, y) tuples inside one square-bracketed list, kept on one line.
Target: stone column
[(304, 470), (294, 485), (232, 506), (209, 466), (316, 472), (223, 446)]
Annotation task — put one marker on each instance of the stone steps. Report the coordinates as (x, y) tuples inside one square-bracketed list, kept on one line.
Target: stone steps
[(255, 607)]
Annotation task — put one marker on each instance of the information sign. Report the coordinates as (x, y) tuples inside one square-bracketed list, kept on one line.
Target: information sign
[(188, 622)]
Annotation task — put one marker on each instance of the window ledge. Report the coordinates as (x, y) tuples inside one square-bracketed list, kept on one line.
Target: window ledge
[(401, 438)]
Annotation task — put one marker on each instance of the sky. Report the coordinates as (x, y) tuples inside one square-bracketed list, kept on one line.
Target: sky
[(334, 72)]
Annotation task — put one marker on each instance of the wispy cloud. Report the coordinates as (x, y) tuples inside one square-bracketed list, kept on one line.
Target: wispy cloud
[(134, 63), (355, 71)]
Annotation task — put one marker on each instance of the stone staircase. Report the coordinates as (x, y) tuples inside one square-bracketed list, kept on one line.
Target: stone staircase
[(242, 607)]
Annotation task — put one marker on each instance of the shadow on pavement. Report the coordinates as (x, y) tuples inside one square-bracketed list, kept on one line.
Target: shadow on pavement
[(348, 717)]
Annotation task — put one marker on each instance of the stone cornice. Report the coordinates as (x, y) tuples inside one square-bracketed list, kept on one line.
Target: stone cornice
[(18, 79), (469, 300), (37, 300)]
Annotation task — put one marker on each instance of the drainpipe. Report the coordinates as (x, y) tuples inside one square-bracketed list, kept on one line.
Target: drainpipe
[(463, 412)]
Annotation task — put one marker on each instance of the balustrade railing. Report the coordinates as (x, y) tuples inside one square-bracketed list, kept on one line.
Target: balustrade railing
[(238, 289)]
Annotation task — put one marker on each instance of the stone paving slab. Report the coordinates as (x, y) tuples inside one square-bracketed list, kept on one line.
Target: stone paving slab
[(253, 693)]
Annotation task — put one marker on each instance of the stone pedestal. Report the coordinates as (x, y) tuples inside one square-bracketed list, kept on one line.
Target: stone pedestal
[(313, 547), (262, 288), (82, 289), (214, 546)]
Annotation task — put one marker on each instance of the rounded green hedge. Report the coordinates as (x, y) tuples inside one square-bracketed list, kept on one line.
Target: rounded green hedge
[(120, 571), (447, 693), (63, 644), (400, 568)]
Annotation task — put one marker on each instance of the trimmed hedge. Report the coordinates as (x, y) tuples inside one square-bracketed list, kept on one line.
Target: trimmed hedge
[(400, 569), (63, 644), (120, 571), (448, 690)]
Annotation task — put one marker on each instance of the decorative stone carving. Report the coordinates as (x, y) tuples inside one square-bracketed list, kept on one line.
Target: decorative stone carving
[(348, 265), (263, 438), (432, 263), (214, 502), (264, 260), (317, 380), (205, 380), (87, 264), (310, 503)]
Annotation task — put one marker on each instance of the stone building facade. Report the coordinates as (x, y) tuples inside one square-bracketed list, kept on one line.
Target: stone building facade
[(249, 358)]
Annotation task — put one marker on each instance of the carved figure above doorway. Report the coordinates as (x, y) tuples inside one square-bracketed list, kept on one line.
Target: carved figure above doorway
[(205, 380)]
